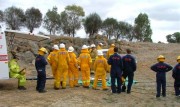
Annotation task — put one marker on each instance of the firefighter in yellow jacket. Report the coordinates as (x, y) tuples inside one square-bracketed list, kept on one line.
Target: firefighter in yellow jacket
[(100, 66), (62, 67), (85, 63), (73, 71), (52, 59), (109, 53), (99, 47), (93, 54), (15, 71)]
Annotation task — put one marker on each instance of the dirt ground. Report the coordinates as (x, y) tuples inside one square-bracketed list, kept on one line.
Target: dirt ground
[(142, 95)]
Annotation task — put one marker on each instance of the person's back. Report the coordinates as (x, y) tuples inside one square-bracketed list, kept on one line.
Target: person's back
[(129, 63), (161, 68), (85, 64), (116, 71), (176, 76)]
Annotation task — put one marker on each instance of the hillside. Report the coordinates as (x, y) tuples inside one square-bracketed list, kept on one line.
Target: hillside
[(143, 92)]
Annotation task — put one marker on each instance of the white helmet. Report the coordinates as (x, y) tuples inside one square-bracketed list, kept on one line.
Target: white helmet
[(62, 45), (70, 49), (100, 53), (101, 44), (93, 45), (84, 47), (55, 47)]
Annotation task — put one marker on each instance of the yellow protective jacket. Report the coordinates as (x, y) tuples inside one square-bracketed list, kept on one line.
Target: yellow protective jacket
[(110, 52), (63, 58), (52, 58), (85, 59), (93, 54), (73, 61), (100, 65), (99, 47), (14, 68)]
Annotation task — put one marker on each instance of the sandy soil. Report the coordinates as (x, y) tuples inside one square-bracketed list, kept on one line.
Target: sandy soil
[(142, 95)]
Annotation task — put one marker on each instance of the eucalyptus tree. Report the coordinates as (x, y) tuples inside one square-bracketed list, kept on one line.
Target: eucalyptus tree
[(51, 21), (14, 17), (71, 19), (1, 16), (33, 18), (173, 38), (92, 24), (142, 28), (109, 26)]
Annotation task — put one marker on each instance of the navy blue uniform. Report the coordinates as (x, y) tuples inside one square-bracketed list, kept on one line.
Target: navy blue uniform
[(116, 71), (176, 76), (40, 64), (161, 69), (129, 67)]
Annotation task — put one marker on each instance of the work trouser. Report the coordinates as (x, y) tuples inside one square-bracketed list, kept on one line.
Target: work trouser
[(41, 80), (61, 73), (130, 76), (21, 78), (54, 69), (73, 76), (177, 88), (92, 65), (115, 78), (85, 76), (103, 77), (161, 82)]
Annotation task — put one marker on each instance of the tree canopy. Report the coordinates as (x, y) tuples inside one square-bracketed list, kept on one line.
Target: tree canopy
[(142, 27), (33, 18), (173, 38), (92, 24), (14, 17)]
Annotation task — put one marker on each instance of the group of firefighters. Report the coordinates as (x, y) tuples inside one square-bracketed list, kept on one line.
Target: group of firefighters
[(65, 64)]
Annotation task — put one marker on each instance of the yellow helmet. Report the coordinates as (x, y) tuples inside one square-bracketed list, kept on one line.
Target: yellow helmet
[(43, 50), (161, 58), (178, 59)]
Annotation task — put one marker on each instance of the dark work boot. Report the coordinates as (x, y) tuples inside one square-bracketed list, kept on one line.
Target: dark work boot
[(21, 88)]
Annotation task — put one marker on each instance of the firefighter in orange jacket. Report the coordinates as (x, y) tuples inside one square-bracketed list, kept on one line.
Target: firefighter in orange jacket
[(85, 63), (73, 71), (62, 67), (100, 66)]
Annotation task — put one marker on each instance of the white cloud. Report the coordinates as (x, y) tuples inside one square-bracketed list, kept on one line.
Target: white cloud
[(164, 15)]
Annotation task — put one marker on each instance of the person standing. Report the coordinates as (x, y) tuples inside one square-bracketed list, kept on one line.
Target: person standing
[(73, 71), (62, 67), (93, 54), (40, 64), (176, 76), (15, 71), (100, 67), (99, 47), (129, 67), (52, 59), (85, 64), (161, 68), (116, 71)]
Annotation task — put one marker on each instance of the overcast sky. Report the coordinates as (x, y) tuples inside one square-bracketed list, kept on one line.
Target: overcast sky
[(164, 15)]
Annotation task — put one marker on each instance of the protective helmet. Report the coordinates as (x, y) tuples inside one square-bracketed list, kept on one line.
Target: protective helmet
[(178, 59), (56, 47), (93, 46), (84, 47), (100, 53), (43, 50), (62, 45), (161, 58), (70, 49), (112, 45), (100, 44)]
